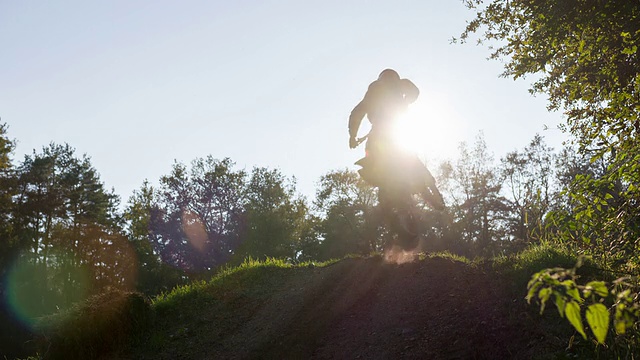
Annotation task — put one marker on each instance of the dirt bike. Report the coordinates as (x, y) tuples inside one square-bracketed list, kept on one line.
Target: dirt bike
[(403, 183)]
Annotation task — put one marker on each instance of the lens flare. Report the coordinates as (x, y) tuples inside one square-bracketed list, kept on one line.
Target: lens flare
[(429, 128), (58, 277), (407, 135), (195, 231), (31, 293)]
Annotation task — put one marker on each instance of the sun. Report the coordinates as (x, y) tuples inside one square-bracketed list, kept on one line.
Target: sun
[(428, 128)]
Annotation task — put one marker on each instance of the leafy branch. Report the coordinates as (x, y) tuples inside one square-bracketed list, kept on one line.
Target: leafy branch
[(602, 301)]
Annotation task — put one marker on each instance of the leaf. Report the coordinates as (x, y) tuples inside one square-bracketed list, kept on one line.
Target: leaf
[(561, 303), (621, 319), (621, 327), (598, 320), (534, 279), (532, 290), (544, 295), (573, 315), (630, 50), (599, 287), (571, 289)]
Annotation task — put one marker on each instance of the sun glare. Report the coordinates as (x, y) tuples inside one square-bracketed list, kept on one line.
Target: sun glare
[(429, 129)]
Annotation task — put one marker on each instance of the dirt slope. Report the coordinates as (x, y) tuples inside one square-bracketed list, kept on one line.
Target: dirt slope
[(435, 308)]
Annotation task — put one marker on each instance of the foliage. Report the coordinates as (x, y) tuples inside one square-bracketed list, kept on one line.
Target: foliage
[(586, 53), (613, 303), (586, 59), (274, 219), (105, 322), (8, 245), (195, 217), (153, 275), (528, 177), (538, 256), (474, 188), (66, 228), (346, 203)]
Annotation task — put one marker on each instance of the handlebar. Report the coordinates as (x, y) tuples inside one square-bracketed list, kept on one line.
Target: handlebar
[(361, 140)]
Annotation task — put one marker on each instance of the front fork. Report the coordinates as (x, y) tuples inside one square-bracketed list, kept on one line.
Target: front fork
[(402, 220)]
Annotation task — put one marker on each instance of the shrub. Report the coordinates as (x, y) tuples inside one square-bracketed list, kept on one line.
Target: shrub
[(99, 325)]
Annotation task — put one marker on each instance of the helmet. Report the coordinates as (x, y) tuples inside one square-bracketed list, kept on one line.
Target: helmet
[(388, 75)]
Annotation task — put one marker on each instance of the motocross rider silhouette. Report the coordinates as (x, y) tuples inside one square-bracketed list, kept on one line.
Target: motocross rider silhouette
[(385, 165)]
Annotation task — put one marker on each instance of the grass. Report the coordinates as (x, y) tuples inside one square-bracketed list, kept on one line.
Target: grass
[(250, 271), (217, 310), (115, 320), (520, 266), (448, 255)]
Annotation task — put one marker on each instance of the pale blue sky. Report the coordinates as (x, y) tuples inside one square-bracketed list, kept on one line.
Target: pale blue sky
[(137, 84)]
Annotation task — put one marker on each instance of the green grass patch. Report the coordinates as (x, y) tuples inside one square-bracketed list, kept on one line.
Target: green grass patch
[(447, 255), (250, 271), (212, 310), (541, 255), (116, 320), (545, 255)]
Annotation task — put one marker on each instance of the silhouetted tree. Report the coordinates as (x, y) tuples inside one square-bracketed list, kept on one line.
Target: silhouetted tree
[(275, 219), (350, 223), (529, 177), (67, 228), (586, 57), (12, 333), (473, 187), (8, 244), (195, 223), (153, 276)]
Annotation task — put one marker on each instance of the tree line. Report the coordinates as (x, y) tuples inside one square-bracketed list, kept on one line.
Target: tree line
[(65, 236)]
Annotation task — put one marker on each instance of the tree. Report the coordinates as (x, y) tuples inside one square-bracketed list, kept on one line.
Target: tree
[(67, 229), (350, 223), (274, 218), (8, 244), (586, 54), (528, 179), (196, 220), (586, 57), (153, 276), (474, 188)]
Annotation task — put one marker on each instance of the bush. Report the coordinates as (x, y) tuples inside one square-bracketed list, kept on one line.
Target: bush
[(103, 323)]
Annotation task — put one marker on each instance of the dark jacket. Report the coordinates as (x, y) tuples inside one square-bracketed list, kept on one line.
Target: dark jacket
[(383, 101)]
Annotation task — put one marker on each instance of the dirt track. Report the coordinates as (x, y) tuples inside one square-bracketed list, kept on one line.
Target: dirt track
[(436, 308), (431, 309)]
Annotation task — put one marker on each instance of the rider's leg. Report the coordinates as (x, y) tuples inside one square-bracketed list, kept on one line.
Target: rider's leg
[(429, 192)]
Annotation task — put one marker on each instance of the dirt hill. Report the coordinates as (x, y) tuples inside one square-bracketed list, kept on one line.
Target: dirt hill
[(434, 308)]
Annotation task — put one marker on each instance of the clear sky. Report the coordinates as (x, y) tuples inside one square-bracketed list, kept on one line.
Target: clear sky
[(138, 84)]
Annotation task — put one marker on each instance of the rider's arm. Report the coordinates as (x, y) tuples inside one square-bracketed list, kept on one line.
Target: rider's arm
[(355, 119), (358, 113), (410, 90)]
